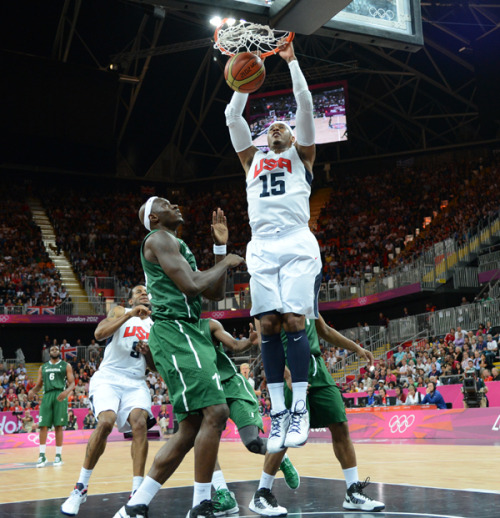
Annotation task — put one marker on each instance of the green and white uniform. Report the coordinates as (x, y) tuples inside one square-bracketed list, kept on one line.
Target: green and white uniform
[(184, 356), (53, 412), (324, 400), (240, 396)]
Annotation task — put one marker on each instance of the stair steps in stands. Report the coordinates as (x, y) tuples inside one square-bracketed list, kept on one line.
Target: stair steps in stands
[(68, 277), (32, 370)]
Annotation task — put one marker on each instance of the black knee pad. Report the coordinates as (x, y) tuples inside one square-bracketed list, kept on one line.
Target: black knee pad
[(256, 445)]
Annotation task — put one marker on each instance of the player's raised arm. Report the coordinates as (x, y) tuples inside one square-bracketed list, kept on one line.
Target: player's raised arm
[(227, 340), (335, 338), (304, 120), (240, 134)]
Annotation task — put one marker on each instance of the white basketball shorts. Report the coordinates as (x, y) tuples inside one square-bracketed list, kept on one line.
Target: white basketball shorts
[(285, 273), (120, 394)]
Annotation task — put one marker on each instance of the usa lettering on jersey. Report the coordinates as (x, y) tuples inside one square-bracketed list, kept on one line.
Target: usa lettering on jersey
[(137, 331), (268, 164)]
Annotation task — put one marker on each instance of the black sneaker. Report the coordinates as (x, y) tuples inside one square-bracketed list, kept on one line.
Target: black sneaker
[(203, 510), (265, 504), (356, 500), (133, 511)]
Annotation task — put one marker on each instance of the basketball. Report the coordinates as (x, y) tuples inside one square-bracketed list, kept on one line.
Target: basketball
[(245, 72)]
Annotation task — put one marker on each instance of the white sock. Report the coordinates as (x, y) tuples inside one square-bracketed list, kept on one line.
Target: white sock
[(146, 492), (84, 477), (266, 481), (351, 476), (58, 450), (218, 480), (136, 482), (201, 492), (277, 396), (42, 448), (299, 396)]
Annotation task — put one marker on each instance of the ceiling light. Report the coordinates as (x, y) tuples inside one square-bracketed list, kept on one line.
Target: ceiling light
[(216, 21)]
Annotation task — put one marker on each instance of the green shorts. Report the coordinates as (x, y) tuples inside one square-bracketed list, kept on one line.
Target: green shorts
[(243, 404), (53, 412), (324, 400), (186, 360)]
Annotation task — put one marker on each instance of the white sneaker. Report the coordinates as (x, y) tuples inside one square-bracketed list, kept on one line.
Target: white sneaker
[(132, 511), (279, 427), (58, 461), (42, 460), (265, 504), (298, 431), (356, 500), (78, 497)]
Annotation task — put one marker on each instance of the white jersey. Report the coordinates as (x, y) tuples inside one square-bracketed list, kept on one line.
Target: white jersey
[(278, 190), (120, 356)]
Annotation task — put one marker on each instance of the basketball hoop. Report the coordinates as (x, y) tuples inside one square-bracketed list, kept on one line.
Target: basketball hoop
[(245, 36)]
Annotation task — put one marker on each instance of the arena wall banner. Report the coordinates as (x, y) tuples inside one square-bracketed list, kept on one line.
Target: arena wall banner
[(51, 319), (484, 277), (481, 424), (477, 424)]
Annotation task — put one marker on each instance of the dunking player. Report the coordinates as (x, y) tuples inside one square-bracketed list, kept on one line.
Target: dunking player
[(53, 376), (183, 355), (327, 410), (283, 257), (118, 392)]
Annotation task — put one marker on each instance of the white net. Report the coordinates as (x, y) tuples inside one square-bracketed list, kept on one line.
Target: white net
[(249, 37)]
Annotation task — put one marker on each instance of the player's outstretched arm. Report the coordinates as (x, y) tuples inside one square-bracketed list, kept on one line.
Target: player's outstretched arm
[(220, 235), (116, 318), (338, 340), (228, 341), (304, 118), (165, 249), (240, 134)]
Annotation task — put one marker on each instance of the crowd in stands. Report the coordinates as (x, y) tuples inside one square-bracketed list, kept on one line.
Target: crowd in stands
[(27, 276), (440, 361), (368, 218), (364, 225)]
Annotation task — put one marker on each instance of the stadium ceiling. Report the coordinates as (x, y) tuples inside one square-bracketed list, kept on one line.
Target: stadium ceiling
[(169, 118)]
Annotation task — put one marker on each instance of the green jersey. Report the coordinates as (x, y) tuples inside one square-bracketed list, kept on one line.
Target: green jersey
[(225, 366), (54, 376), (312, 336), (167, 300)]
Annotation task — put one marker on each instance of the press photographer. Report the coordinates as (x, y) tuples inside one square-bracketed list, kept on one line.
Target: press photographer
[(474, 390)]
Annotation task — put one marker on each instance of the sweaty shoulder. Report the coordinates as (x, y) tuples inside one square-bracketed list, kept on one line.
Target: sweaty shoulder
[(158, 242)]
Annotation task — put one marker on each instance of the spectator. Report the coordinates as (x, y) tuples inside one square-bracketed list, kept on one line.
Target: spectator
[(383, 398), (89, 422), (495, 373), (371, 398), (433, 397), (413, 397), (28, 422), (72, 424), (400, 396), (164, 420)]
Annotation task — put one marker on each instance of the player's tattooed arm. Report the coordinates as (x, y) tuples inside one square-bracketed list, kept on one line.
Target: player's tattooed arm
[(117, 316)]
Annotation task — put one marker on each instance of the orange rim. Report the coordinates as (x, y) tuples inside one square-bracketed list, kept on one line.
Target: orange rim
[(288, 39)]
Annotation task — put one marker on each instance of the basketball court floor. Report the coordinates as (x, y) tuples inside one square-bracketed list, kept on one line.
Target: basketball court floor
[(427, 479)]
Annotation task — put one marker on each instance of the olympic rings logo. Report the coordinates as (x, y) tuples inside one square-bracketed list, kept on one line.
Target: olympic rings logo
[(35, 438), (401, 423), (218, 314), (4, 318), (381, 13)]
